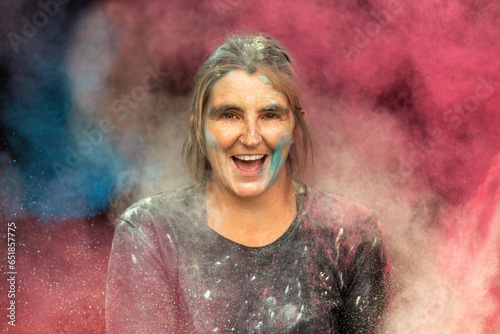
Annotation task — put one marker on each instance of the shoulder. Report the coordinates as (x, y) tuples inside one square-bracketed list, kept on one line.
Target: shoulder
[(346, 230), (324, 204), (168, 206), (328, 210)]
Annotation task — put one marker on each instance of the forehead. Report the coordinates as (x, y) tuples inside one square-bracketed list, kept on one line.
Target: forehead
[(239, 87)]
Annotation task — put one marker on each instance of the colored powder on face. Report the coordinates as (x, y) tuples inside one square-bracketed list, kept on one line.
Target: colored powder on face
[(210, 140), (211, 113), (277, 161), (275, 164), (264, 79)]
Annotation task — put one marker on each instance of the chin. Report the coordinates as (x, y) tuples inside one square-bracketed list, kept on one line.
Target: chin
[(249, 190)]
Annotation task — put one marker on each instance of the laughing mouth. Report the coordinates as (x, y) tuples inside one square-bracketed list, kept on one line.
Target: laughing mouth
[(249, 163), (249, 157)]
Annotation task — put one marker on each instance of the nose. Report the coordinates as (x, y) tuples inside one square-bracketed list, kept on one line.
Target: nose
[(252, 137)]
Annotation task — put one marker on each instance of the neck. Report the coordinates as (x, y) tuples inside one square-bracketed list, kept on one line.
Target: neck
[(252, 221)]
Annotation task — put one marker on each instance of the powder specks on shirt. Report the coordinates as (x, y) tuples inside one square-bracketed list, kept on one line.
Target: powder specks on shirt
[(190, 279)]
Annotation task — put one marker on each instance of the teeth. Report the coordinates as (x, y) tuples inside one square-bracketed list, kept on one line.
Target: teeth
[(249, 157)]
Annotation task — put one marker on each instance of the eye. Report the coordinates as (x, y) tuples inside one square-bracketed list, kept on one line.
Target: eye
[(227, 115), (272, 115)]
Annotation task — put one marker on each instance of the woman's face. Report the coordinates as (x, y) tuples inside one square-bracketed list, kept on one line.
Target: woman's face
[(249, 130)]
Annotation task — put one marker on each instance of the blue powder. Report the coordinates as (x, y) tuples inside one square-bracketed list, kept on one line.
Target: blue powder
[(41, 124), (276, 162), (263, 78)]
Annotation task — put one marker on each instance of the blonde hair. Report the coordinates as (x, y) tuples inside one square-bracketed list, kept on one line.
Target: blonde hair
[(250, 53)]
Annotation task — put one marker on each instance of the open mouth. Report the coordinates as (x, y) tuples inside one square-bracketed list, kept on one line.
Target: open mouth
[(249, 163)]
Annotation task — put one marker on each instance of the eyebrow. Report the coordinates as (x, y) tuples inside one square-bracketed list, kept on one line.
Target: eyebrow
[(275, 108), (226, 107)]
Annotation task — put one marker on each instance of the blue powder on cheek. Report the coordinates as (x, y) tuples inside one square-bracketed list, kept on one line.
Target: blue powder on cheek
[(277, 161), (210, 139)]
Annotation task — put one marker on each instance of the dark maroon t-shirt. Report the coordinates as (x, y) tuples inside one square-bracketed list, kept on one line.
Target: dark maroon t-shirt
[(170, 273)]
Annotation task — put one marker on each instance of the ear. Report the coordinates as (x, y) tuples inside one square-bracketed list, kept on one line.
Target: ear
[(303, 114), (296, 129)]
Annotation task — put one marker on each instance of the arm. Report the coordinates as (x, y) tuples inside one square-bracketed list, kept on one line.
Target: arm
[(142, 290), (365, 296)]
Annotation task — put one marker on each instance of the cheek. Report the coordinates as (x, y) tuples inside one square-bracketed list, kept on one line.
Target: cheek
[(283, 147), (218, 138), (279, 137), (210, 141)]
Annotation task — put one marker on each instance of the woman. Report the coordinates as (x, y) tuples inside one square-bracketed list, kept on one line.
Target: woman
[(247, 250)]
